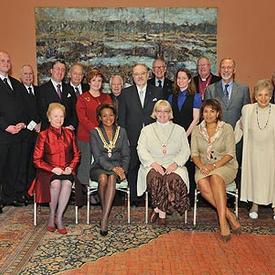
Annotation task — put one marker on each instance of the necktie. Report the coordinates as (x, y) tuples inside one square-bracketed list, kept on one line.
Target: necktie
[(58, 90), (77, 91), (160, 83), (141, 97), (30, 91), (226, 93), (7, 83)]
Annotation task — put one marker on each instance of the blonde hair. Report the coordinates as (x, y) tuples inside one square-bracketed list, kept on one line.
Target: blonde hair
[(262, 85), (55, 105), (165, 104)]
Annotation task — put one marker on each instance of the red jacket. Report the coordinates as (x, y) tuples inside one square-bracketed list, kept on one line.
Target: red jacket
[(86, 112), (54, 148)]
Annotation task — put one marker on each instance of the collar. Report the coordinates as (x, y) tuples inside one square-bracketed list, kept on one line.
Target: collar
[(143, 89), (56, 83), (2, 76)]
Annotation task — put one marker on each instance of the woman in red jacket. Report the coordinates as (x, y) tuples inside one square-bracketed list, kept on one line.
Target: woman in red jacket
[(86, 112), (55, 156)]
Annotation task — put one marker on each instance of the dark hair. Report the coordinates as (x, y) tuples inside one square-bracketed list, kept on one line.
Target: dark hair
[(58, 61), (191, 86), (103, 106), (214, 104)]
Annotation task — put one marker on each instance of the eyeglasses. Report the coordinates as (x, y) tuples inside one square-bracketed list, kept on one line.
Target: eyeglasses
[(140, 74)]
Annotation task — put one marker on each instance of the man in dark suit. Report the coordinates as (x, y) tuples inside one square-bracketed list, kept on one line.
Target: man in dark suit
[(134, 110), (232, 97), (159, 69), (76, 75), (27, 171), (204, 77), (12, 122), (116, 86), (56, 91)]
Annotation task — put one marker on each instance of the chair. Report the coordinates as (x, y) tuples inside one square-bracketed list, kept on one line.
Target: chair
[(231, 190), (93, 187), (146, 210), (35, 204)]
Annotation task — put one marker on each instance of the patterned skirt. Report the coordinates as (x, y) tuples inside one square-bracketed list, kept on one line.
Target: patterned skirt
[(169, 192)]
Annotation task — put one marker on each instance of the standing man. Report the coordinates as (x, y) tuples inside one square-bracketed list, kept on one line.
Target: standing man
[(159, 80), (12, 122), (56, 91), (134, 112), (204, 77), (76, 75), (27, 171), (116, 85), (232, 97)]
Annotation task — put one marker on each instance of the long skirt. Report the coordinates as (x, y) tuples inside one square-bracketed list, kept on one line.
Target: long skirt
[(169, 192)]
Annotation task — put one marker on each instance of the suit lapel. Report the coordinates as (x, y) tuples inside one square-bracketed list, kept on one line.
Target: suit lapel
[(233, 94), (147, 96)]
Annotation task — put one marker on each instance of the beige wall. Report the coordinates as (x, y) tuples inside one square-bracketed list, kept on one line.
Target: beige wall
[(245, 30)]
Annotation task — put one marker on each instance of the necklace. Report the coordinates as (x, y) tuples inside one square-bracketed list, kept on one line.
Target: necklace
[(257, 115), (163, 144), (111, 144)]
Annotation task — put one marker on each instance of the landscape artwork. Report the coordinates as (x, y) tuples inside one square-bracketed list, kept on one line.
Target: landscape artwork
[(114, 39)]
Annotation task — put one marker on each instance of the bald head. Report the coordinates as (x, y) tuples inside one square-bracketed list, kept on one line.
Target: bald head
[(27, 75), (5, 63)]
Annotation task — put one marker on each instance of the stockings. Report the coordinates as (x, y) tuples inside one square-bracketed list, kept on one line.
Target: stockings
[(106, 190), (60, 193)]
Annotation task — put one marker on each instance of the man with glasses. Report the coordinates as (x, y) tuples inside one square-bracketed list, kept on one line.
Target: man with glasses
[(134, 112), (204, 77), (159, 69)]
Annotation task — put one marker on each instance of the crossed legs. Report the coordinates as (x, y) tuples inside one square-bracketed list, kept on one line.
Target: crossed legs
[(107, 191), (213, 190)]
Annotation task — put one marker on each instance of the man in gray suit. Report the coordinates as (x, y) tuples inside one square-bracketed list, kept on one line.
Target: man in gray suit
[(232, 96)]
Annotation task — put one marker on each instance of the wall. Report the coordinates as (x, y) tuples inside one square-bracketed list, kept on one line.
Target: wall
[(245, 30)]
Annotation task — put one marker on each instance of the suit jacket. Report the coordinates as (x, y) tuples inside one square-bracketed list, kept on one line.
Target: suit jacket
[(167, 88), (239, 97), (85, 87), (214, 79), (31, 105), (131, 116), (47, 94), (120, 154), (12, 111)]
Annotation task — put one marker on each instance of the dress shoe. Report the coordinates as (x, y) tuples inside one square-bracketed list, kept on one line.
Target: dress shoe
[(1, 208), (51, 228), (62, 231), (226, 238), (134, 203), (16, 203), (162, 221), (153, 217), (103, 232)]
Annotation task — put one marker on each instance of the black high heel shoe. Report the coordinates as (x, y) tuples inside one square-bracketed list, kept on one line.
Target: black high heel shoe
[(103, 232)]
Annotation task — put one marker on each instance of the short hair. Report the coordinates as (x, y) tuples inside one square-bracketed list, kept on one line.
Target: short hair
[(165, 104), (228, 58), (116, 75), (103, 106), (191, 86), (140, 64), (77, 64), (58, 61), (159, 59), (94, 72), (263, 84), (214, 104), (203, 57), (55, 105)]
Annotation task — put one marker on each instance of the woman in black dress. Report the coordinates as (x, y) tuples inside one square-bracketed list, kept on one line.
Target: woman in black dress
[(110, 150)]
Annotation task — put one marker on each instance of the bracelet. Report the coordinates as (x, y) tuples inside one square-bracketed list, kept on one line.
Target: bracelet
[(214, 165)]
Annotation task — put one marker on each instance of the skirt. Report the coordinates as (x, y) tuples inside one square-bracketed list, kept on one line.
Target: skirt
[(169, 193), (69, 177)]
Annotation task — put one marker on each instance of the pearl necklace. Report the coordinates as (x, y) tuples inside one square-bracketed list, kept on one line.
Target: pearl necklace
[(257, 115)]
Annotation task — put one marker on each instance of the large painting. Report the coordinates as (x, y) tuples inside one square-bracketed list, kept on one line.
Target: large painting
[(113, 39)]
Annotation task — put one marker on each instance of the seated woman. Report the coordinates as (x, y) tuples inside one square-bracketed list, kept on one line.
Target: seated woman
[(163, 150), (55, 156), (213, 152), (110, 149), (258, 173)]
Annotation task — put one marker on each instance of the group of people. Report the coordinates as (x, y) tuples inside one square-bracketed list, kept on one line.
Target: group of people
[(163, 136)]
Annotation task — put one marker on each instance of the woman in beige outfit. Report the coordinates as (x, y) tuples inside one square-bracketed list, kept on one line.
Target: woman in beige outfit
[(213, 152), (163, 151)]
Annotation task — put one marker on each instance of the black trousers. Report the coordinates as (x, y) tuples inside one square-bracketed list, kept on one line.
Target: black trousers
[(133, 172), (9, 165)]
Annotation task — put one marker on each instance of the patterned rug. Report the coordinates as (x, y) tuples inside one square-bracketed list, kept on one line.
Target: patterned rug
[(25, 249)]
